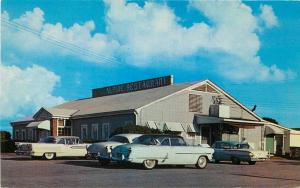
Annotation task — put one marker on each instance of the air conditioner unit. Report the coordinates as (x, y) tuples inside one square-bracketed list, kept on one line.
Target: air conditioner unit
[(219, 110)]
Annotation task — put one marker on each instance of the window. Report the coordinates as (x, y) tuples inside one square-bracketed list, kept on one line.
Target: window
[(94, 131), (84, 133), (17, 136), (195, 103), (23, 134), (64, 127), (64, 131), (128, 123), (105, 131)]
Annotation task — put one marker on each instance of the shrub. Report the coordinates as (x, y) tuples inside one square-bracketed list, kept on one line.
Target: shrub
[(7, 145), (136, 129)]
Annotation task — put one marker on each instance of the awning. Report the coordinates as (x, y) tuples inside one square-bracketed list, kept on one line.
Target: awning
[(40, 125), (234, 122), (173, 126), (269, 129), (190, 128), (151, 125)]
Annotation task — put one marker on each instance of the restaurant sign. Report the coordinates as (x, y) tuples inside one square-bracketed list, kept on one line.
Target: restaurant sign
[(133, 86)]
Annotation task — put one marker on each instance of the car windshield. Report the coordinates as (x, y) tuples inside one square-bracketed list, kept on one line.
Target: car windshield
[(121, 139), (243, 146), (48, 140)]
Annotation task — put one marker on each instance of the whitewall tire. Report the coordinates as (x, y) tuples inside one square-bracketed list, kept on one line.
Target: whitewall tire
[(202, 162), (49, 156), (149, 164)]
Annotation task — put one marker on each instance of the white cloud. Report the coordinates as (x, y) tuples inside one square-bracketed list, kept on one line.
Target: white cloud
[(78, 38), (26, 90), (151, 34), (267, 16)]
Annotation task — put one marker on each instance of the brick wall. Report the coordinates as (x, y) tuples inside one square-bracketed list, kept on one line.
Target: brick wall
[(53, 127)]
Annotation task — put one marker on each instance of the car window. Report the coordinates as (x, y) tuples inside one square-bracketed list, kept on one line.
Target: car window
[(177, 142), (243, 146), (165, 142), (49, 140), (121, 139), (61, 141), (70, 141), (224, 145), (147, 140)]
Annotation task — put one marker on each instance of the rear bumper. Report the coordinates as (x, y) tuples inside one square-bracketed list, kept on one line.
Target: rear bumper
[(258, 159)]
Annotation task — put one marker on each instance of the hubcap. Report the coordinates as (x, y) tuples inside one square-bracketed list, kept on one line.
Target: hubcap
[(150, 163), (202, 162)]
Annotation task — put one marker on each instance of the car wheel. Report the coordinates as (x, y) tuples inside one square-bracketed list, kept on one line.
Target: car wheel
[(149, 164), (49, 156), (235, 160), (202, 162), (252, 162)]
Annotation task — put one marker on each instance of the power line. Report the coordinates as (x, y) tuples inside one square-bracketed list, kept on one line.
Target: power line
[(63, 44)]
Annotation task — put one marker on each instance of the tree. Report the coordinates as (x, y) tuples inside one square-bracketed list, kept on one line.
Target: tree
[(136, 129), (5, 135), (270, 120)]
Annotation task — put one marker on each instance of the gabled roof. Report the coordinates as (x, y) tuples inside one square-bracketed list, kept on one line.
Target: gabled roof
[(126, 102), (120, 102)]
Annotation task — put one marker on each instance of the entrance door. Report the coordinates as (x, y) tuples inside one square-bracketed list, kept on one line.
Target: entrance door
[(270, 144), (205, 134)]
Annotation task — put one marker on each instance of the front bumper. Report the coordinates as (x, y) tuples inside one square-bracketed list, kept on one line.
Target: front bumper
[(24, 153)]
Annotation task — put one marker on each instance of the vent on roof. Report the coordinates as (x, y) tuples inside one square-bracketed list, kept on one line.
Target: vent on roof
[(206, 88), (195, 103)]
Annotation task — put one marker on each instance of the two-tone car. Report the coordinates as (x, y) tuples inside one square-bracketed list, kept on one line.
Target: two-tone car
[(151, 150), (237, 152), (102, 150), (52, 147)]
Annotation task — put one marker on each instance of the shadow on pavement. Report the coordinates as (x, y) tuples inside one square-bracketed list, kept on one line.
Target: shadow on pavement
[(265, 177), (114, 165), (287, 162)]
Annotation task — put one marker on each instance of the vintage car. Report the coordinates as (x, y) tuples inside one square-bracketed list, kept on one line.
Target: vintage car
[(51, 147), (152, 150), (237, 152), (102, 150)]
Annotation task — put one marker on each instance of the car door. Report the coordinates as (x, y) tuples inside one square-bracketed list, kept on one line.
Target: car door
[(73, 148), (181, 153)]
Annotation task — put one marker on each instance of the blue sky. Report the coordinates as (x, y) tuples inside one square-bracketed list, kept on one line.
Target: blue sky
[(58, 51)]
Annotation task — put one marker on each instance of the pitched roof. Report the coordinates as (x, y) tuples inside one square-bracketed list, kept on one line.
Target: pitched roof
[(120, 102), (61, 112)]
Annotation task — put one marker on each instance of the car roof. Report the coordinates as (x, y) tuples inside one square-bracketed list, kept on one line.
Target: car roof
[(165, 135), (229, 142), (129, 136), (63, 137)]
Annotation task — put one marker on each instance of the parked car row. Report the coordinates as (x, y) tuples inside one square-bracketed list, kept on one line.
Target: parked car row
[(148, 150)]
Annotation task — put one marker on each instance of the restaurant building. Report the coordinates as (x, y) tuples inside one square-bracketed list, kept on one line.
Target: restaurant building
[(199, 111)]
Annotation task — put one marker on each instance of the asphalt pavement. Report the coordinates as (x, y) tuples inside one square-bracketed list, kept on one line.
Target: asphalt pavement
[(23, 172)]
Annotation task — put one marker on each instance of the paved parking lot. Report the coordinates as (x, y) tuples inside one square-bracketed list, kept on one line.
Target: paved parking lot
[(23, 172)]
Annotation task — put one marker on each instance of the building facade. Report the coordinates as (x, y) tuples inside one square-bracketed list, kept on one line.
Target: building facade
[(200, 111)]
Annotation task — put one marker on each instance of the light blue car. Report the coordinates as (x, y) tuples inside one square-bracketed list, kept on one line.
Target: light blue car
[(152, 150), (237, 152)]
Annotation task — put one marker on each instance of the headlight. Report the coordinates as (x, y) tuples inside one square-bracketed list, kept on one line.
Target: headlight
[(251, 154)]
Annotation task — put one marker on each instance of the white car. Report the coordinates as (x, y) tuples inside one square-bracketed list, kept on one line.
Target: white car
[(102, 150), (152, 150), (52, 147)]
